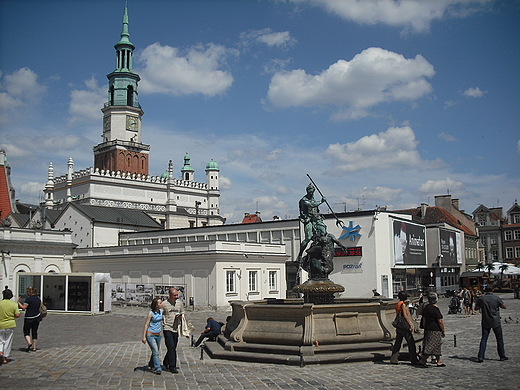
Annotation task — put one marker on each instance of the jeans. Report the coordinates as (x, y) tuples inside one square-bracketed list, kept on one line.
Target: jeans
[(407, 335), (171, 339), (154, 341), (500, 342)]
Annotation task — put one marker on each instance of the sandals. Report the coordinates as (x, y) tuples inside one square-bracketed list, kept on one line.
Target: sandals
[(28, 348)]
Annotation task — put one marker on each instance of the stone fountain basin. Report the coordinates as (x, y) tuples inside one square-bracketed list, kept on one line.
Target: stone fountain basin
[(292, 322), (290, 331)]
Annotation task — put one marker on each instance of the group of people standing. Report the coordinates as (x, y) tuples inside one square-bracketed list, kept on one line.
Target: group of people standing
[(9, 311), (434, 331)]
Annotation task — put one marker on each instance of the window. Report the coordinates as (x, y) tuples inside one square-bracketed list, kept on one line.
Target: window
[(483, 239), (482, 220), (517, 252), (273, 276), (517, 235), (516, 218), (253, 281), (494, 254), (230, 281), (509, 253), (493, 239), (508, 235)]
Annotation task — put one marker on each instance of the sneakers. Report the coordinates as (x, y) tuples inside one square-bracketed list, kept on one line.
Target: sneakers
[(503, 358)]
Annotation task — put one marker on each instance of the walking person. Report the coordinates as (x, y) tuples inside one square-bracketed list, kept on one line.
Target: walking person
[(152, 334), (172, 320), (8, 312), (489, 306), (466, 297), (433, 331), (404, 333), (32, 317)]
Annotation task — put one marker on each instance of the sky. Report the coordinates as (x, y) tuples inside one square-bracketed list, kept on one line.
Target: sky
[(383, 103)]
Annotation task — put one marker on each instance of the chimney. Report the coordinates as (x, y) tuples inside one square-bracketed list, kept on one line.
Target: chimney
[(424, 208), (455, 203)]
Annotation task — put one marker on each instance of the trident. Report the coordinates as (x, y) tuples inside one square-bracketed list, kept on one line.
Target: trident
[(338, 222)]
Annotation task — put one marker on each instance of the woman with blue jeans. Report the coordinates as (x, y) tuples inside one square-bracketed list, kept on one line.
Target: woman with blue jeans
[(152, 333)]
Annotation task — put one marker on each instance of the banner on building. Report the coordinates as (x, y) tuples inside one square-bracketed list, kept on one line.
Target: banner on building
[(451, 247), (142, 293), (409, 243)]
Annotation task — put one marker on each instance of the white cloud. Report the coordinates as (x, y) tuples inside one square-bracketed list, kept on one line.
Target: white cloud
[(85, 103), (167, 71), (440, 186), (225, 183), (378, 193), (474, 92), (276, 65), (267, 36), (411, 15), (394, 149), (31, 189), (19, 90), (449, 103), (447, 137), (371, 77)]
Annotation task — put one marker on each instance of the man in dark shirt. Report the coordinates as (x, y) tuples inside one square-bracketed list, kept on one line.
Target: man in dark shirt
[(212, 330), (490, 305)]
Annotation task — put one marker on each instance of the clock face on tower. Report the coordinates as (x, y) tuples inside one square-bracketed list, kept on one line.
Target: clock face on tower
[(132, 123)]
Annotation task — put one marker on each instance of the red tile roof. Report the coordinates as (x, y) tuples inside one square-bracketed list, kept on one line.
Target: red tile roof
[(436, 215), (5, 197)]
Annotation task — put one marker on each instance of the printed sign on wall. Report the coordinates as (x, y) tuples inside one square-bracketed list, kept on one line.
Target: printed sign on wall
[(409, 243)]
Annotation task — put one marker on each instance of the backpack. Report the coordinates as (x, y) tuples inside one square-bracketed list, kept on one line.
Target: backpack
[(43, 310)]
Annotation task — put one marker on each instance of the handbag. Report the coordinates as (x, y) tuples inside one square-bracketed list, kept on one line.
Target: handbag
[(43, 310), (399, 322)]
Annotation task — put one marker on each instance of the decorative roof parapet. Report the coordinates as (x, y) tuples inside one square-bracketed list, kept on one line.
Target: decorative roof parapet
[(129, 176)]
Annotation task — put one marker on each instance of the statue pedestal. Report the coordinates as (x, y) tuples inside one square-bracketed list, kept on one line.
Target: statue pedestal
[(318, 292)]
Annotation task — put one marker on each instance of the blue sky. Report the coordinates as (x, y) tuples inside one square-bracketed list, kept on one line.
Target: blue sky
[(381, 102)]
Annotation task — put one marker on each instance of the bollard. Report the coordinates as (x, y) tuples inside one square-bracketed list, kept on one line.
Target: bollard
[(192, 343), (454, 340), (202, 352), (302, 363)]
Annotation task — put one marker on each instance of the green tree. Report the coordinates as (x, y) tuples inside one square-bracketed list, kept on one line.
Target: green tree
[(490, 267), (480, 266)]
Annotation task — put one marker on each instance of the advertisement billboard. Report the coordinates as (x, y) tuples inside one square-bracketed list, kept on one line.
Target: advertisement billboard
[(409, 243), (451, 249)]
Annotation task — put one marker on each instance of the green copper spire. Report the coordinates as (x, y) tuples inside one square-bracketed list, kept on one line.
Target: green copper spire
[(125, 35), (122, 82)]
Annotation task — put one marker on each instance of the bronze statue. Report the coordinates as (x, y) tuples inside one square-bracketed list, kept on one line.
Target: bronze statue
[(319, 258)]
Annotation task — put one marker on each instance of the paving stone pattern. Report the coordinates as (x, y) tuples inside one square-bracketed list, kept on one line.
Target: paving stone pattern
[(105, 351)]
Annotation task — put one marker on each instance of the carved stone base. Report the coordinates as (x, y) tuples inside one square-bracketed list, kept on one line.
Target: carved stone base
[(319, 292)]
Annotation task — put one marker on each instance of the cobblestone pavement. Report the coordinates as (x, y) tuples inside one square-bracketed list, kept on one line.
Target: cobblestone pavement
[(83, 352)]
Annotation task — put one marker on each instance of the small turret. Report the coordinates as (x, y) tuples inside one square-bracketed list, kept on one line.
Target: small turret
[(49, 187), (187, 171)]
